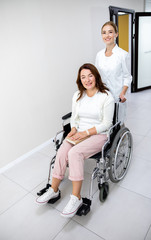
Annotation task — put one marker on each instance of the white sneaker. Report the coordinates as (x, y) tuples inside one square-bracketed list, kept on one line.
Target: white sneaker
[(72, 207), (50, 194)]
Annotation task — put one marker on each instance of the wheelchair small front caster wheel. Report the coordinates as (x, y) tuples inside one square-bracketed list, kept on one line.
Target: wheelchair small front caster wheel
[(104, 191)]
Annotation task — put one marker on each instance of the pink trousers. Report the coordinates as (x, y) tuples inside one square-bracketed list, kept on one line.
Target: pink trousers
[(74, 156)]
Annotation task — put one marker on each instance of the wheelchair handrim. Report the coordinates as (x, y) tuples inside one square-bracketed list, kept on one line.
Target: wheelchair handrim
[(128, 158)]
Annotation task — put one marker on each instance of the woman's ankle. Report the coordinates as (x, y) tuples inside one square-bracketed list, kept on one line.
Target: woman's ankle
[(55, 189), (77, 195)]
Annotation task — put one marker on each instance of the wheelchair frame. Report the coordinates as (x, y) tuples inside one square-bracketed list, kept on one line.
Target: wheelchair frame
[(112, 162)]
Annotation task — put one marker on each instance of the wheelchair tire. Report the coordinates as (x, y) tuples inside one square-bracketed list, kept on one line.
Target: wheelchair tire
[(104, 191), (120, 155)]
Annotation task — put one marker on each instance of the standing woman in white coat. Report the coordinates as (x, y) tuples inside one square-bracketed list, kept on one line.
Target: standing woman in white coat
[(113, 64)]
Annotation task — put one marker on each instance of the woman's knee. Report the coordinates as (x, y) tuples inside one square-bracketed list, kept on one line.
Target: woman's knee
[(63, 150), (74, 153)]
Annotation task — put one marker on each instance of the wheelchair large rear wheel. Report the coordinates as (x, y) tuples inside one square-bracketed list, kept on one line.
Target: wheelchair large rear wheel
[(120, 154)]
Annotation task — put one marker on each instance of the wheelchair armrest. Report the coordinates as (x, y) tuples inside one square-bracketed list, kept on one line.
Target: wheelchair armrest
[(111, 131), (114, 126), (68, 115), (55, 138)]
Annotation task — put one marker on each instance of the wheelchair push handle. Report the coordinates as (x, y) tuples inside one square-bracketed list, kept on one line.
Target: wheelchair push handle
[(120, 100)]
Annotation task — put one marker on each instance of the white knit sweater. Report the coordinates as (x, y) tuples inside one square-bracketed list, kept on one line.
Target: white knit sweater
[(105, 112)]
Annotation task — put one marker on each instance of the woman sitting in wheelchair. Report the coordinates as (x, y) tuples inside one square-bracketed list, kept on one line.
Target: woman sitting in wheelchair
[(92, 115)]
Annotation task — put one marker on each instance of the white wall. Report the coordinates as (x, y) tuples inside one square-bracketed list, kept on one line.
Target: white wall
[(42, 45), (147, 6)]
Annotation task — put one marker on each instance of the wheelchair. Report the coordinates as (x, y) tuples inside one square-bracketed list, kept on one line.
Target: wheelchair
[(112, 162)]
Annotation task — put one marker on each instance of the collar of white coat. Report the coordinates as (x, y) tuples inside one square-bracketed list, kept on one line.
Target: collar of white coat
[(115, 49)]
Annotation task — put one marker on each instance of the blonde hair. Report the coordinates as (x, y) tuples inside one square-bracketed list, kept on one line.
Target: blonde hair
[(111, 24)]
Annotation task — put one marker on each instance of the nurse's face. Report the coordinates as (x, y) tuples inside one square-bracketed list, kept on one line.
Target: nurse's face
[(87, 79), (109, 35)]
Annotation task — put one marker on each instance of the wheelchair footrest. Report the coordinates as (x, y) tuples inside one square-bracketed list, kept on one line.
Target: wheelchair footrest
[(42, 191), (85, 208), (53, 200)]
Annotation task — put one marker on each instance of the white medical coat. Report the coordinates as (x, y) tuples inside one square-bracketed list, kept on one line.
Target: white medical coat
[(115, 73)]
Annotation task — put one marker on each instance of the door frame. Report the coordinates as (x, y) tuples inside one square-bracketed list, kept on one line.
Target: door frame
[(114, 17), (137, 15)]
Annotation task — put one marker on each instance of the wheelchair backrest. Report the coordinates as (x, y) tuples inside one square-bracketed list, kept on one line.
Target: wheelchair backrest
[(66, 129)]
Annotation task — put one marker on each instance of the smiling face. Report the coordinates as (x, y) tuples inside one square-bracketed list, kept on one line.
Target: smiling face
[(88, 79), (109, 35)]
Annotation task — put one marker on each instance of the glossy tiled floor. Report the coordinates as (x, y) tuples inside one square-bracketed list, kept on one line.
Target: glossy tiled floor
[(125, 215)]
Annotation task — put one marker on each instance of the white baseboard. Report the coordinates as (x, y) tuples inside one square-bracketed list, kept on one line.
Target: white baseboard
[(23, 157)]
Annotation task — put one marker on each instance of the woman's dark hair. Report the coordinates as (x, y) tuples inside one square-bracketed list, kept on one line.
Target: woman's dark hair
[(99, 84)]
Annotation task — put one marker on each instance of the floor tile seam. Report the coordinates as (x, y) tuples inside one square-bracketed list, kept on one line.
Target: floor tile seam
[(51, 205), (102, 238), (28, 191), (44, 181), (61, 229), (14, 204), (139, 194), (147, 231)]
